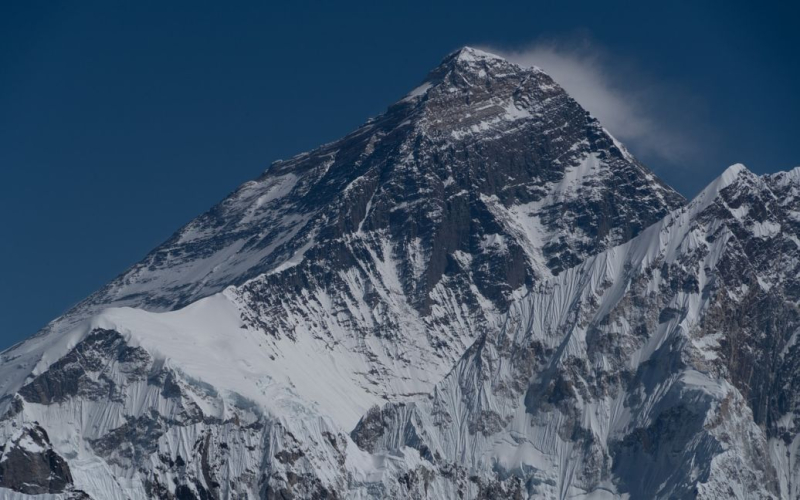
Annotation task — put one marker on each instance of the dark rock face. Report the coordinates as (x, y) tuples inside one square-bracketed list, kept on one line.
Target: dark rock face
[(437, 175), (656, 455), (756, 308), (131, 443), (70, 376), (29, 465), (369, 429)]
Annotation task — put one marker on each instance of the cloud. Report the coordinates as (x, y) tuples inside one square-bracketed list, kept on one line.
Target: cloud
[(635, 109)]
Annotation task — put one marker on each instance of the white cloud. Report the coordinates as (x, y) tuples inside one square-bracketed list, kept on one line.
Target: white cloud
[(632, 108)]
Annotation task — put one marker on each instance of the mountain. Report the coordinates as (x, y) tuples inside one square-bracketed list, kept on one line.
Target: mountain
[(477, 294)]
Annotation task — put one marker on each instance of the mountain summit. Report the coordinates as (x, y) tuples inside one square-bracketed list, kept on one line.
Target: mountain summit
[(460, 299)]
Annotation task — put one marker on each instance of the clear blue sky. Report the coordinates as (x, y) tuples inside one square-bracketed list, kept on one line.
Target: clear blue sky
[(121, 121)]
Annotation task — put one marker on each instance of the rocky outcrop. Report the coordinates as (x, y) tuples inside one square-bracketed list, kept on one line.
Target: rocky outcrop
[(29, 465), (80, 372)]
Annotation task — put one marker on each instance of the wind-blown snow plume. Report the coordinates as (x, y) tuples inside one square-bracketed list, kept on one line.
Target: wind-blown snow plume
[(632, 106)]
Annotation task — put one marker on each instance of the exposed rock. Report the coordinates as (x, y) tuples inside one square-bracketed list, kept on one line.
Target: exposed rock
[(29, 465)]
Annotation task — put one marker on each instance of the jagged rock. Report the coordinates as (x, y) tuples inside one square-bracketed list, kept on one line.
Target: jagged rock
[(29, 465)]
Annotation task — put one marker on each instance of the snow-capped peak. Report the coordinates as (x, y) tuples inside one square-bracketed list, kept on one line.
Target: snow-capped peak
[(733, 174), (469, 54), (473, 65)]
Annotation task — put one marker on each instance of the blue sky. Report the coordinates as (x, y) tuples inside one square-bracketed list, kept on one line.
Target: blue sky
[(121, 121)]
